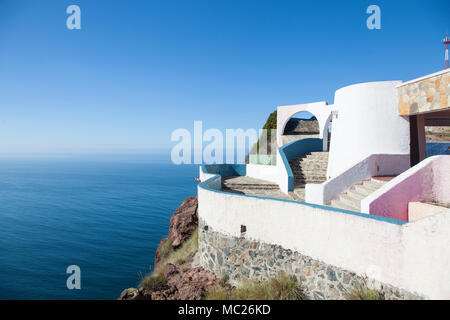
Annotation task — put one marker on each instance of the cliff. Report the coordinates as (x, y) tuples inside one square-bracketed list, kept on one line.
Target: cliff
[(176, 274)]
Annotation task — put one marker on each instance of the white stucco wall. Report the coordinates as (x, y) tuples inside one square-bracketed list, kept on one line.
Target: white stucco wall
[(264, 172), (367, 123), (321, 110), (282, 174), (203, 176), (374, 165), (413, 256)]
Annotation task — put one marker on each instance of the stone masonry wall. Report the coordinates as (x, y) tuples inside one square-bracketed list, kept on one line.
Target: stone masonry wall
[(429, 94), (239, 259)]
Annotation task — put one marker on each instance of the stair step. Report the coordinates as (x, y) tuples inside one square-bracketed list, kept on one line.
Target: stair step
[(350, 201), (310, 178), (298, 194), (249, 186), (309, 168), (318, 173), (382, 182), (312, 160), (312, 164), (305, 181), (361, 191), (372, 184), (319, 152), (356, 195), (309, 174), (342, 205)]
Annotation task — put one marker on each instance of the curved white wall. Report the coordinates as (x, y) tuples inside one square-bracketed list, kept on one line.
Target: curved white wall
[(367, 123)]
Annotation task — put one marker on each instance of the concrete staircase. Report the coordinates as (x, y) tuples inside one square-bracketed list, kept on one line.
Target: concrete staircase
[(351, 199), (244, 183), (253, 187), (309, 168)]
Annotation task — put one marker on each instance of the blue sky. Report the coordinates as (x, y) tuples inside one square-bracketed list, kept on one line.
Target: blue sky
[(137, 70)]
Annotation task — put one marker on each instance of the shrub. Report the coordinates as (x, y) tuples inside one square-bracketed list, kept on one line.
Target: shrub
[(271, 124), (180, 255), (361, 291), (154, 282), (165, 248), (281, 287), (219, 293)]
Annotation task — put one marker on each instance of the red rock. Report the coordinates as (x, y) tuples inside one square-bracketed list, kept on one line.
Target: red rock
[(183, 222), (192, 284)]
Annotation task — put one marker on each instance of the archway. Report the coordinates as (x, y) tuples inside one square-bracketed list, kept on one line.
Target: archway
[(319, 110), (301, 125)]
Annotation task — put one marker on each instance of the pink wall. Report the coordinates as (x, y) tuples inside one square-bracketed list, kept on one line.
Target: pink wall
[(441, 186), (428, 181)]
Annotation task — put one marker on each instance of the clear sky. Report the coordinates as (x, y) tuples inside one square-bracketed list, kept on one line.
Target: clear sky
[(137, 70)]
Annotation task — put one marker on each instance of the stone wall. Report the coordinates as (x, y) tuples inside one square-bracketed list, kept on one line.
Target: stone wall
[(239, 259), (430, 93)]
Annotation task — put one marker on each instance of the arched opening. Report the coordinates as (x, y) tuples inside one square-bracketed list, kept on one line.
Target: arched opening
[(301, 125)]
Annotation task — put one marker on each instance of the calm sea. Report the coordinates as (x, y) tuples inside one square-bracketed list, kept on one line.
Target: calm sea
[(104, 214)]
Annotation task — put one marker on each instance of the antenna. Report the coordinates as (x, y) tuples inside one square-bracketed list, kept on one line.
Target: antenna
[(446, 41)]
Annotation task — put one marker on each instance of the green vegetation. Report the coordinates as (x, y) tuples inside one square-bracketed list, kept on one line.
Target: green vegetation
[(363, 292), (165, 248), (155, 281), (281, 287), (180, 255), (271, 124)]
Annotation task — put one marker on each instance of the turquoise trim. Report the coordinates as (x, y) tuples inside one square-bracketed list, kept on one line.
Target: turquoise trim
[(296, 149), (204, 185)]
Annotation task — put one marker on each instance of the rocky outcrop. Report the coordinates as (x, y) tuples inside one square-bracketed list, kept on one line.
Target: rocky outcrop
[(192, 284), (183, 283), (183, 222), (186, 281)]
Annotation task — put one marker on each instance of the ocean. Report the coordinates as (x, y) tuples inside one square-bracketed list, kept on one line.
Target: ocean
[(103, 214)]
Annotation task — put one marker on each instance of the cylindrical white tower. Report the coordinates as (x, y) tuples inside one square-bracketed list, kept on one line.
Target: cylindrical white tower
[(366, 122)]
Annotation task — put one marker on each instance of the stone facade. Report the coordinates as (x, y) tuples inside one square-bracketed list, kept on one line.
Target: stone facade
[(240, 258), (424, 95)]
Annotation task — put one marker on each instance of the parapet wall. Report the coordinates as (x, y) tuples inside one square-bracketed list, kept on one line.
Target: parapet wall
[(411, 256), (425, 182), (239, 259)]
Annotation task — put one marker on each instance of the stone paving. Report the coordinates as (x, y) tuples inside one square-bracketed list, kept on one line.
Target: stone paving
[(253, 187)]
